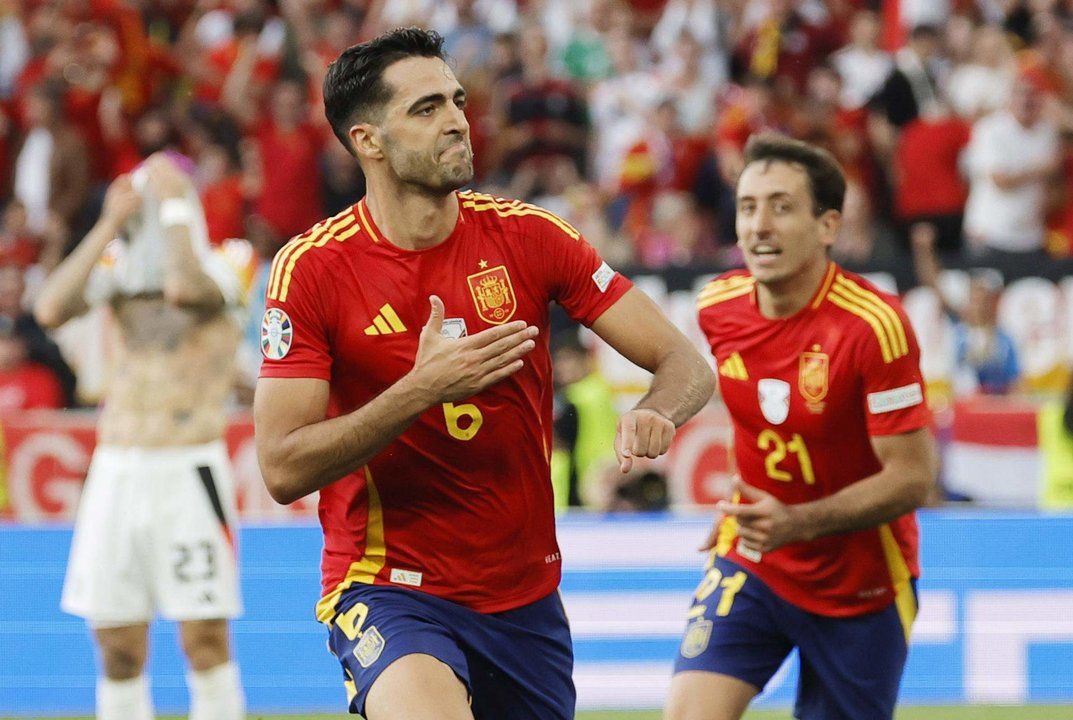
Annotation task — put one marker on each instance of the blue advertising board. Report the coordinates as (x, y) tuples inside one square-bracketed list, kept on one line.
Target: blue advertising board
[(996, 622)]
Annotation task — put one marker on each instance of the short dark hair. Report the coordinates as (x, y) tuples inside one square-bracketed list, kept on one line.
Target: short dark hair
[(925, 31), (354, 88), (827, 182)]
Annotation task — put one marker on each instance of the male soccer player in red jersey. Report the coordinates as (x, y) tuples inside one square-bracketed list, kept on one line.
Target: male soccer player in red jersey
[(407, 378), (820, 373)]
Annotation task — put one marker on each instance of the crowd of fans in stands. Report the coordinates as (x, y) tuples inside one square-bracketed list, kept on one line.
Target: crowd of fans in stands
[(627, 117)]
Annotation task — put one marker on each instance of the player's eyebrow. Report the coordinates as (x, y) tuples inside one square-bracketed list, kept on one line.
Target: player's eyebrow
[(435, 99), (777, 195)]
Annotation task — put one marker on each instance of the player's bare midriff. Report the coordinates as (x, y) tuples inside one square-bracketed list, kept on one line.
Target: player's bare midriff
[(172, 375)]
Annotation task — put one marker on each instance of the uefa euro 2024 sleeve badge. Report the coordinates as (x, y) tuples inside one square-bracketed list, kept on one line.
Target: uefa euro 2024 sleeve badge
[(276, 334)]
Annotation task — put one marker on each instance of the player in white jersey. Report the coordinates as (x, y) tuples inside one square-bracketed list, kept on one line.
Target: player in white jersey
[(155, 525)]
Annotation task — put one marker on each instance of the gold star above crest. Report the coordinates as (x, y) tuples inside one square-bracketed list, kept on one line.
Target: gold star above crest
[(483, 264)]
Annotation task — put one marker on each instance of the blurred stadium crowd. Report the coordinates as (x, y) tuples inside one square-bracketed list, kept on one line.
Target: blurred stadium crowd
[(952, 118)]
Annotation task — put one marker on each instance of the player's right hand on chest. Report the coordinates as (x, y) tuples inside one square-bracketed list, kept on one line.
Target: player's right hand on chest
[(453, 369)]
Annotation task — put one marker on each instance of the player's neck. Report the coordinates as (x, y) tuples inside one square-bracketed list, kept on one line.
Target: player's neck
[(411, 221), (783, 298)]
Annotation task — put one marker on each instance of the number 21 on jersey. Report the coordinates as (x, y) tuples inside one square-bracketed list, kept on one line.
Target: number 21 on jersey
[(777, 449)]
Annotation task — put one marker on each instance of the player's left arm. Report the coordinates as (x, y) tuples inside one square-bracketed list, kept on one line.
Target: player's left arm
[(910, 467), (682, 381)]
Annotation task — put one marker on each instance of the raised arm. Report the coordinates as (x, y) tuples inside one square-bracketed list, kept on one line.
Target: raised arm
[(62, 295), (922, 239), (682, 381), (185, 281), (300, 451)]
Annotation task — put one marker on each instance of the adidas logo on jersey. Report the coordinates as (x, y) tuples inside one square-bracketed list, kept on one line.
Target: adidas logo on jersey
[(385, 323), (734, 368)]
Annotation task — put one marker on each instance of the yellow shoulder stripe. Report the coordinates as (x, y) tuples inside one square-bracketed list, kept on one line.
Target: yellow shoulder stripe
[(884, 321), (508, 208), (719, 291), (339, 228)]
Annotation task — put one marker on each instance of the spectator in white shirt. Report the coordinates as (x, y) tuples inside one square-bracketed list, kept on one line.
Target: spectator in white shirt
[(983, 85), (862, 65), (1012, 156)]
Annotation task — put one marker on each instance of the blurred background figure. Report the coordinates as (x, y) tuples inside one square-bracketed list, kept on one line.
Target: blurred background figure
[(1010, 160), (156, 521), (24, 384), (986, 355), (640, 490), (1055, 428), (584, 419), (35, 343)]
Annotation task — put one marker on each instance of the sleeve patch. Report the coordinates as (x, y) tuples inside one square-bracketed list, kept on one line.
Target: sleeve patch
[(895, 399), (276, 334), (602, 277)]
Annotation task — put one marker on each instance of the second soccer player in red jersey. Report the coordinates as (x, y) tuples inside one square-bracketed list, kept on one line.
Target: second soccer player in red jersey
[(820, 374), (407, 378)]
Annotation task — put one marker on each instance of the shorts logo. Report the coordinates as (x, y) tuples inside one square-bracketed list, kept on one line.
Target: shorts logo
[(368, 649), (696, 638), (276, 334), (774, 397), (493, 295)]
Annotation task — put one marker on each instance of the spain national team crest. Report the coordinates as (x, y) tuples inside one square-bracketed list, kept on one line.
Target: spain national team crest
[(276, 334), (812, 377), (696, 639), (493, 295), (368, 649)]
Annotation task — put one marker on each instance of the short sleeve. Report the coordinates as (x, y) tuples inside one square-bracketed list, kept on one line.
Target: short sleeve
[(894, 394), (583, 283), (294, 327)]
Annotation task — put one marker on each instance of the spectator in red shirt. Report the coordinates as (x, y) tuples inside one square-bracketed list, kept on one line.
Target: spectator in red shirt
[(282, 165), (24, 385), (222, 194), (784, 47), (928, 185), (212, 67)]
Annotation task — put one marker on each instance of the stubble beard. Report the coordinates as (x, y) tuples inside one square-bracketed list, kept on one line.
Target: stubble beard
[(431, 176)]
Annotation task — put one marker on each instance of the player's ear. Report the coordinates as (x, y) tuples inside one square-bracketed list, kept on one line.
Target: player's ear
[(830, 221), (365, 139)]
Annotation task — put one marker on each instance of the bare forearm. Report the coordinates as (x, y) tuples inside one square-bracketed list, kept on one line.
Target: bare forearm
[(314, 456), (61, 297), (1014, 180), (185, 283), (681, 385), (873, 501)]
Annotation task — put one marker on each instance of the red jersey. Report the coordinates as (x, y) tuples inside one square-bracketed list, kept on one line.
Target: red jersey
[(460, 505), (805, 394), (291, 194)]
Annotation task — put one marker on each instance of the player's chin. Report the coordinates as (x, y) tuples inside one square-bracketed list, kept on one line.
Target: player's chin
[(457, 174)]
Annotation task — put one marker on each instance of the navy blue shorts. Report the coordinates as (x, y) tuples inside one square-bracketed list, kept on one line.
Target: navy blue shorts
[(850, 666), (517, 664)]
